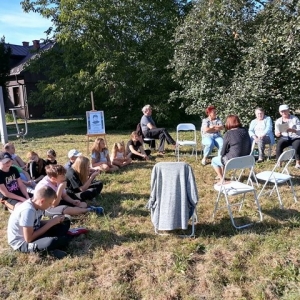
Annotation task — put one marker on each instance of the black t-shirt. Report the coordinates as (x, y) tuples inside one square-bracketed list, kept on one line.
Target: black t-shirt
[(136, 146), (50, 162), (34, 169), (73, 181), (9, 179)]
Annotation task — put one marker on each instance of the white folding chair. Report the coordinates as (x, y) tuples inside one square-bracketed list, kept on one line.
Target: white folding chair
[(236, 187), (184, 127), (150, 142), (276, 177)]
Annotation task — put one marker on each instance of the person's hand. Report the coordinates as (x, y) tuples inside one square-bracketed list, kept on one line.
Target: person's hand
[(146, 157), (57, 220), (291, 130), (77, 202), (94, 174)]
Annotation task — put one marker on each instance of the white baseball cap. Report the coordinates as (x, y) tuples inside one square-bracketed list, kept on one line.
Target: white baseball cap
[(74, 152), (283, 107)]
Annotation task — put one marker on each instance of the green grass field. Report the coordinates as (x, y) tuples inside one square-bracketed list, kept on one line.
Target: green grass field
[(122, 258)]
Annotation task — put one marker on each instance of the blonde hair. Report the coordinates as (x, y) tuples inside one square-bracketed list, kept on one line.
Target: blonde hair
[(117, 147), (96, 148), (82, 167)]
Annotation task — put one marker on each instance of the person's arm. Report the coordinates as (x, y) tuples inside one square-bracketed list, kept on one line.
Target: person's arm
[(251, 130), (141, 154), (6, 193), (277, 131), (19, 161), (95, 162), (89, 181), (209, 129), (225, 144), (23, 188), (30, 235)]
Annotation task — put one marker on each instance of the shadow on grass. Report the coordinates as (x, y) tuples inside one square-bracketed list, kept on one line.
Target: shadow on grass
[(104, 239)]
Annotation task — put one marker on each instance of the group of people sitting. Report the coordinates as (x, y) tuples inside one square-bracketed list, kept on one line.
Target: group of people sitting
[(237, 141), (45, 188)]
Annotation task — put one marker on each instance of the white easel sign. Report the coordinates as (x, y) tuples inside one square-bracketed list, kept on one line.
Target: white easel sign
[(95, 122)]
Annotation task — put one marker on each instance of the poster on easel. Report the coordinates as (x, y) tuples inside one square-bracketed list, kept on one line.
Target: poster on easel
[(95, 122)]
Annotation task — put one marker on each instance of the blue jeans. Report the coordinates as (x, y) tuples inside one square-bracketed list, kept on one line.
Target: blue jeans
[(210, 142), (216, 162)]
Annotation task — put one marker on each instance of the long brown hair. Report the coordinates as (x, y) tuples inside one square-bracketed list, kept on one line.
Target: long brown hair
[(96, 148), (81, 167)]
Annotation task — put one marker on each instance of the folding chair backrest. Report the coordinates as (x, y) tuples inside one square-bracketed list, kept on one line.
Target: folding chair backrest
[(185, 127), (242, 162), (286, 155)]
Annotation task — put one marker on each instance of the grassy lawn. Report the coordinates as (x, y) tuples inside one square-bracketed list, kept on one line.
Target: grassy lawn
[(122, 258)]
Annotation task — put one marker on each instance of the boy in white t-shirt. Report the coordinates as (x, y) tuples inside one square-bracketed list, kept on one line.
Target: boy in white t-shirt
[(26, 232)]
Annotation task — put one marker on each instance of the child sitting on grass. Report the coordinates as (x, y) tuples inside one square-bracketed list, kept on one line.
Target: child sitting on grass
[(63, 204), (81, 183), (100, 157), (51, 157), (118, 157), (12, 190), (26, 232), (36, 166)]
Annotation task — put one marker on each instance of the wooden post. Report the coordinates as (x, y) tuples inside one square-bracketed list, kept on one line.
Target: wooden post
[(92, 99)]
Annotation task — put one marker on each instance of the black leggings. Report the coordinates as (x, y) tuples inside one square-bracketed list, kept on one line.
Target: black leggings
[(137, 157), (55, 238), (283, 143), (93, 191)]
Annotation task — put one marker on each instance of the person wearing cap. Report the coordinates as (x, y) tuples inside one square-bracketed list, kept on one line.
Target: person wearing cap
[(12, 189), (72, 155), (287, 130), (261, 131)]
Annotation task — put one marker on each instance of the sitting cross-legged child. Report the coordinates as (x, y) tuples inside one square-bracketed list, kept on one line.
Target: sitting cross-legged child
[(63, 204), (118, 157), (12, 190), (81, 183), (100, 157), (26, 232)]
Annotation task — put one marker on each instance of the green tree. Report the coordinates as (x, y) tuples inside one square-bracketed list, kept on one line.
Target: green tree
[(5, 53), (118, 49), (238, 55)]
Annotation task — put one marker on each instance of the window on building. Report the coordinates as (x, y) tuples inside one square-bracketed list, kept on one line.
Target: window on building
[(16, 93)]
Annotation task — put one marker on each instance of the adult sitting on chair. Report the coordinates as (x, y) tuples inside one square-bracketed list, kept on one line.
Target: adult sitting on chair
[(151, 131), (260, 131), (236, 143), (287, 129), (210, 131)]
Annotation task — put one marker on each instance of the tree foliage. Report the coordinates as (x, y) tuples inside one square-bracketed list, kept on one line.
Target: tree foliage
[(117, 49), (4, 62), (238, 55)]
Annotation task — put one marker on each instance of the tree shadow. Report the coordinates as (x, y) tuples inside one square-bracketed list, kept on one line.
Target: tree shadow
[(104, 239)]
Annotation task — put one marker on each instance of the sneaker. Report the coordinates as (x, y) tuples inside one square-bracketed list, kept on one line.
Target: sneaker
[(203, 161), (297, 166), (97, 209), (59, 254)]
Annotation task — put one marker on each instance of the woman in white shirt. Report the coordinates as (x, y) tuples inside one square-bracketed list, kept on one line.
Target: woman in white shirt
[(287, 129)]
